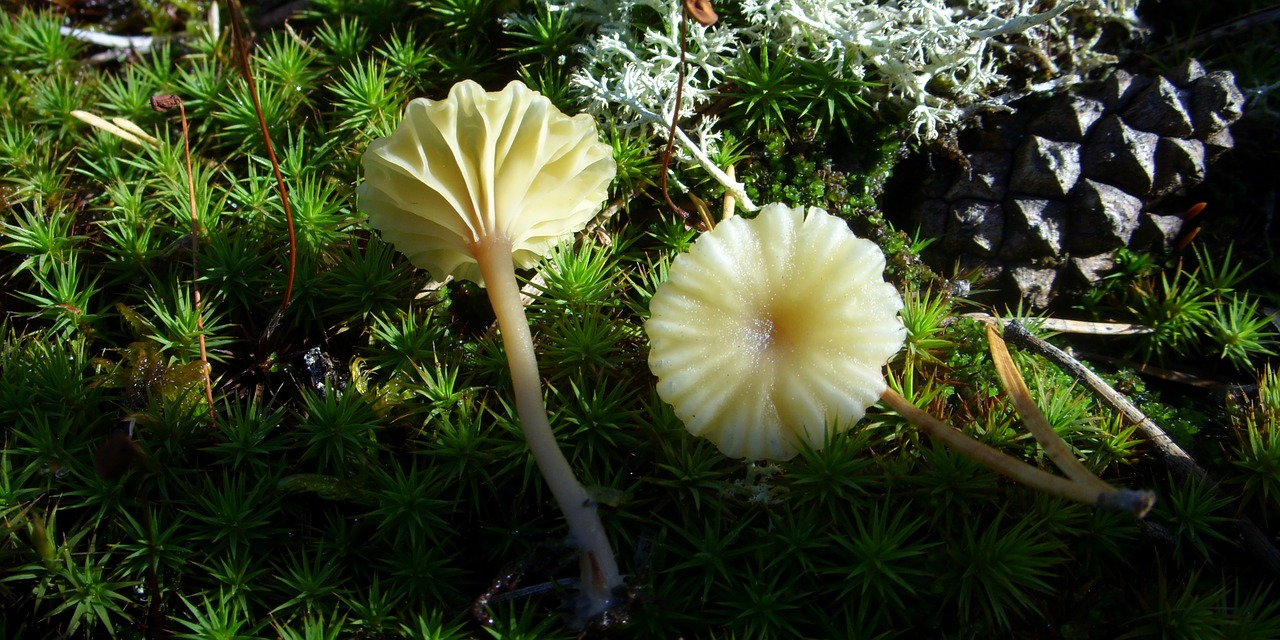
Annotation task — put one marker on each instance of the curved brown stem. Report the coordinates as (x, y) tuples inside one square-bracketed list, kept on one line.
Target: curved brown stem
[(675, 120), (237, 14), (163, 103), (1057, 450), (1135, 502)]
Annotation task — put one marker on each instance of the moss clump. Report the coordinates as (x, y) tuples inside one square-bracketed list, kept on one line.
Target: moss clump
[(358, 473)]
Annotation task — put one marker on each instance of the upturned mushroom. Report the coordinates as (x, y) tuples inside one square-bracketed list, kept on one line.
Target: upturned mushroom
[(773, 330), (473, 186)]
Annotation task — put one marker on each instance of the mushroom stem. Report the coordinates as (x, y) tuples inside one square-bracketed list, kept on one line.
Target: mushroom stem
[(1097, 494), (600, 576)]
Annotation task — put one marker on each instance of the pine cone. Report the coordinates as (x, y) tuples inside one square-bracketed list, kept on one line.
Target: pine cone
[(1038, 199)]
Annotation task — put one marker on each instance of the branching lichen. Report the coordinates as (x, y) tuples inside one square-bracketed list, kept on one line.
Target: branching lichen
[(925, 61)]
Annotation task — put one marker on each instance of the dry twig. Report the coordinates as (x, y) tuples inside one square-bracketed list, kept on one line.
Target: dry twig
[(1174, 456)]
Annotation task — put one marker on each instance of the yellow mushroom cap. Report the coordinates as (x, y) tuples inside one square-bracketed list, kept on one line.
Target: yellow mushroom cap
[(482, 165), (771, 330)]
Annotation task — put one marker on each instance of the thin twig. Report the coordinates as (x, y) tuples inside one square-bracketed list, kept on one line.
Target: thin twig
[(1196, 380), (1228, 29), (1061, 325), (730, 203), (139, 44), (705, 14), (1174, 456), (675, 119)]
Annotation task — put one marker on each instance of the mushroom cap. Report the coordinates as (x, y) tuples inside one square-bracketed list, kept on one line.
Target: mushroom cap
[(481, 165), (772, 330)]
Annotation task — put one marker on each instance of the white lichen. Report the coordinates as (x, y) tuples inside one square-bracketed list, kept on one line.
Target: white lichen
[(930, 60), (630, 74), (927, 63)]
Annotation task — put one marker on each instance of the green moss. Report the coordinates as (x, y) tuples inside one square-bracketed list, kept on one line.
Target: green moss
[(843, 175), (360, 474)]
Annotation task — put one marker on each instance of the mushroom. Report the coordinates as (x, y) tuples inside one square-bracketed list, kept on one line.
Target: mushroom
[(473, 186), (774, 330)]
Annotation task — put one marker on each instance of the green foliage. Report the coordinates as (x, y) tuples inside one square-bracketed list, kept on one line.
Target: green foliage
[(1195, 610), (338, 430), (889, 557), (237, 120), (343, 39), (400, 345), (833, 101), (431, 627), (234, 513), (1192, 312), (766, 87), (773, 91), (1239, 332), (367, 99), (1184, 613), (580, 279), (34, 41), (465, 18), (409, 514), (310, 583), (247, 435), (176, 325), (1195, 511), (1176, 310), (214, 620), (129, 94), (998, 569), (291, 63), (88, 594), (834, 477), (65, 296), (367, 282), (548, 33), (637, 164), (45, 237), (409, 57), (1259, 456), (377, 493), (1256, 434), (923, 314)]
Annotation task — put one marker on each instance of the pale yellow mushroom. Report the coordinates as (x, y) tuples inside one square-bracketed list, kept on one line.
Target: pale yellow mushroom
[(772, 333), (478, 166), (772, 330), (473, 186)]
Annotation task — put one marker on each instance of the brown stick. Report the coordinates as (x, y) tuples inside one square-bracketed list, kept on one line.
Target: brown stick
[(675, 119), (1135, 502), (1175, 457)]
